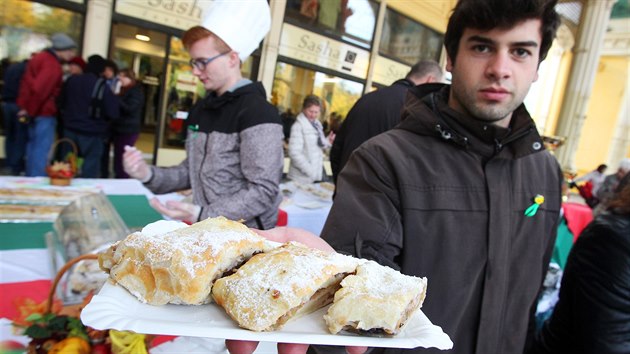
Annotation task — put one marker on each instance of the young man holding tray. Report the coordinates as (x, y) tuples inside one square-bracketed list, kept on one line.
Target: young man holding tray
[(462, 191)]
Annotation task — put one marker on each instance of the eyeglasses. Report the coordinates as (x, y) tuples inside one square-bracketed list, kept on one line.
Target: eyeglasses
[(200, 63)]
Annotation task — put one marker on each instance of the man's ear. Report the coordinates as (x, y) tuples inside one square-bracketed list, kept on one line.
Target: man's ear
[(449, 64), (234, 59)]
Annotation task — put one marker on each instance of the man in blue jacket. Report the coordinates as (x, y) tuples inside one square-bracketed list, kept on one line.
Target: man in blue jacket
[(87, 107)]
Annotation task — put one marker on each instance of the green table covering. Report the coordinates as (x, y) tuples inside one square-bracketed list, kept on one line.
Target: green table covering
[(564, 243), (134, 210), (15, 236)]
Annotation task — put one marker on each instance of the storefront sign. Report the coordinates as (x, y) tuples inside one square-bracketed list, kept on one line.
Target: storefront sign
[(309, 47), (386, 71), (181, 14)]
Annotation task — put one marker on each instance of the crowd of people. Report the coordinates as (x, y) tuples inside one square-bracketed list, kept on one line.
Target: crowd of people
[(57, 95), (446, 181)]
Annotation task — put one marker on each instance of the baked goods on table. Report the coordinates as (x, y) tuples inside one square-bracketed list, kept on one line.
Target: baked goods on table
[(284, 283), (13, 212), (375, 300), (261, 286), (86, 276), (179, 266), (40, 196)]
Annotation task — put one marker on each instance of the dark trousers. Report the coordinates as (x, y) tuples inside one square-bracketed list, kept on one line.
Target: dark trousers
[(107, 142), (16, 137), (120, 140), (90, 149)]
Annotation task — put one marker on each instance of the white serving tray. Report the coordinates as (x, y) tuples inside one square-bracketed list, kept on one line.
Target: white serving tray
[(115, 308)]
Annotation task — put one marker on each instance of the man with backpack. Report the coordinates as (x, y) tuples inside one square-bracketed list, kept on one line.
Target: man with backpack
[(87, 107)]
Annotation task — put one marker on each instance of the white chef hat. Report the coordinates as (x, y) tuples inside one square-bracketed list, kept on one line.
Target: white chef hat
[(241, 24)]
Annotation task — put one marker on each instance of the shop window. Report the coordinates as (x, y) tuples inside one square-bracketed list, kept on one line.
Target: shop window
[(292, 83), (409, 41), (26, 27), (349, 20)]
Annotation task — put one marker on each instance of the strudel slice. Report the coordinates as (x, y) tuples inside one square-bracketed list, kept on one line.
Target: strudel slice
[(285, 283), (179, 266), (377, 300)]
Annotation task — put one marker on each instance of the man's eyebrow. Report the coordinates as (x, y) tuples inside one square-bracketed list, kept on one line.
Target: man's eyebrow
[(486, 40)]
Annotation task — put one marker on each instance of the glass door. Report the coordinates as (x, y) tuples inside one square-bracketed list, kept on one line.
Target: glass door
[(143, 51), (182, 90)]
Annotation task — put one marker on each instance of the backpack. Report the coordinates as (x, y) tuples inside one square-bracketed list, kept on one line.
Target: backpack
[(96, 109)]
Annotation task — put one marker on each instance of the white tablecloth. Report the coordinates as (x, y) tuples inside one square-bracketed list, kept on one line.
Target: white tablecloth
[(306, 210)]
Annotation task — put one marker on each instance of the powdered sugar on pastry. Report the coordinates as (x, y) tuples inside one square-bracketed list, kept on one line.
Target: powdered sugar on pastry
[(377, 300), (287, 282), (180, 266)]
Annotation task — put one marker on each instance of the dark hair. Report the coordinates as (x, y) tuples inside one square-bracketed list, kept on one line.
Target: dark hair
[(620, 203), (311, 100), (489, 14), (111, 64), (424, 68), (95, 64), (601, 168)]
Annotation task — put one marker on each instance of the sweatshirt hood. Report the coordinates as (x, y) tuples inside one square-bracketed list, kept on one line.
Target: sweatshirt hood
[(426, 112), (255, 88)]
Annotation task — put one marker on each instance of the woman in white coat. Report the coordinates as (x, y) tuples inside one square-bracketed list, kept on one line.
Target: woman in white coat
[(307, 143)]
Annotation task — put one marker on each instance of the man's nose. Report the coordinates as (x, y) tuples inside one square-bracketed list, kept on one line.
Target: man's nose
[(499, 66)]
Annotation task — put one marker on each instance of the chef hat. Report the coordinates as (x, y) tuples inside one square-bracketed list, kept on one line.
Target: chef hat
[(241, 24)]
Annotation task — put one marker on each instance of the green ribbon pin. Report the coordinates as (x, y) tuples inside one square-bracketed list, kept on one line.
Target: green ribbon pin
[(194, 128), (532, 209)]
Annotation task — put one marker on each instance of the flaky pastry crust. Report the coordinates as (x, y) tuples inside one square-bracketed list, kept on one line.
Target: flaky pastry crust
[(285, 283), (179, 267)]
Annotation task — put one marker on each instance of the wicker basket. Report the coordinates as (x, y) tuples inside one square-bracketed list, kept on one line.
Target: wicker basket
[(44, 345), (60, 273), (55, 178), (99, 341)]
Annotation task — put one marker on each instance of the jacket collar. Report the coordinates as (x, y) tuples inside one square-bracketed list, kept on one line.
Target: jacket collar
[(212, 101), (426, 112)]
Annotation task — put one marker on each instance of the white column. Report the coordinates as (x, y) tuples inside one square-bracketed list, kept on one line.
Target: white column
[(620, 144), (593, 23), (376, 43), (271, 45), (98, 24)]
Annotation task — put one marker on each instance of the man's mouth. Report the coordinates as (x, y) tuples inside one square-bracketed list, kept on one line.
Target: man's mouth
[(494, 94)]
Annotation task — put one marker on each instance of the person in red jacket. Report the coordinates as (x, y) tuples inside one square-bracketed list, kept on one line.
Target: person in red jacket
[(40, 86)]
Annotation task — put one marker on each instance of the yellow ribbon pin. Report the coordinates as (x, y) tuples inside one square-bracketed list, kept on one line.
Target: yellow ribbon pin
[(532, 209)]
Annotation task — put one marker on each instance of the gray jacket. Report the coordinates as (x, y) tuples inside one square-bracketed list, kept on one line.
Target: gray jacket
[(233, 159)]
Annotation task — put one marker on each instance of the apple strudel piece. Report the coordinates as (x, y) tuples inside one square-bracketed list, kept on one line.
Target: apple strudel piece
[(377, 300), (282, 284), (179, 264)]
